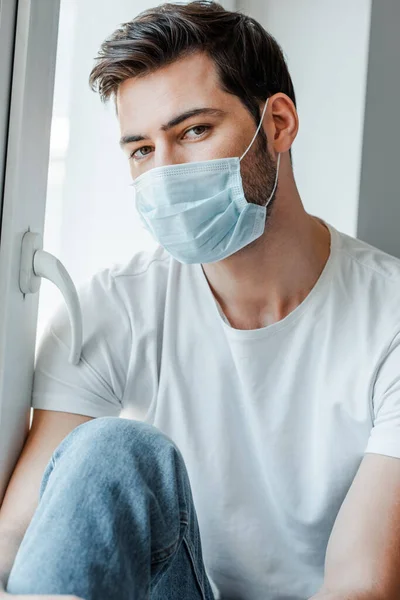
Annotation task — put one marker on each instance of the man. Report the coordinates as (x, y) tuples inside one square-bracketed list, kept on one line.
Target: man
[(263, 342)]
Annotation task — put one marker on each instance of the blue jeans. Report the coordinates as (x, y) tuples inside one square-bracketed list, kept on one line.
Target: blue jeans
[(115, 520)]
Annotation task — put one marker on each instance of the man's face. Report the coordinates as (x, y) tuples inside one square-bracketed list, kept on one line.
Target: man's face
[(180, 114)]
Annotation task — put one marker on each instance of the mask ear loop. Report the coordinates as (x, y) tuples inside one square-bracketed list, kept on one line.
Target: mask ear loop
[(278, 160), (258, 129)]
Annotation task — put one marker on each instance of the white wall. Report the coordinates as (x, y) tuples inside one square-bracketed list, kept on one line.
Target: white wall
[(99, 223), (91, 222), (326, 45)]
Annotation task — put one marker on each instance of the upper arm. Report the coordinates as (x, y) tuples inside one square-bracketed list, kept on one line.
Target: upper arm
[(48, 430), (364, 547), (95, 387), (363, 553)]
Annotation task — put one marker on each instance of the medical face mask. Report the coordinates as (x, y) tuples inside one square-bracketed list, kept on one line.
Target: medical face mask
[(198, 211)]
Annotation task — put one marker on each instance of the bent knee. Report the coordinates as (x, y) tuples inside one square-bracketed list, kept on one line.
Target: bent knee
[(113, 437)]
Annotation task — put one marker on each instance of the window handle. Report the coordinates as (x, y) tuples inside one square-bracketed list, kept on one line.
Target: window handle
[(35, 264)]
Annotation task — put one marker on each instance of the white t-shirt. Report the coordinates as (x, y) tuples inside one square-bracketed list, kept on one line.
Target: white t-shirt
[(272, 423)]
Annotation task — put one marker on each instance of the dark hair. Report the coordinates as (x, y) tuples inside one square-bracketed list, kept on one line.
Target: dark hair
[(249, 61)]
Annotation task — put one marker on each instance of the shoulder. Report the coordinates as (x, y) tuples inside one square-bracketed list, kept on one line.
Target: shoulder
[(130, 281), (142, 264), (373, 263), (367, 282), (110, 298)]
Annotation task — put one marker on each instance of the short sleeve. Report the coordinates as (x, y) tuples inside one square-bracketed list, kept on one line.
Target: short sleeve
[(385, 434), (96, 385)]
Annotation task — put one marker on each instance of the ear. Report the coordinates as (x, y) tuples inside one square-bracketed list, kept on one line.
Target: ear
[(282, 123)]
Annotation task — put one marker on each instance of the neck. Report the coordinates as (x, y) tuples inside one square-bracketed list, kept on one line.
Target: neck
[(265, 281)]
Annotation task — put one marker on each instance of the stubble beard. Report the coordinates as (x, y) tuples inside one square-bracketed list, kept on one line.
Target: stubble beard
[(258, 171)]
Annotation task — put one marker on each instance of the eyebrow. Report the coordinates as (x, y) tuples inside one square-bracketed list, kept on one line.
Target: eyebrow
[(126, 139)]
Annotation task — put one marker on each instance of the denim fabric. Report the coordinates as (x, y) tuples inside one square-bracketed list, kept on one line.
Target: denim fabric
[(115, 520)]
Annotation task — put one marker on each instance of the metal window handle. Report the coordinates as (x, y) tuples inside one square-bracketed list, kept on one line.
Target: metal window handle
[(36, 263)]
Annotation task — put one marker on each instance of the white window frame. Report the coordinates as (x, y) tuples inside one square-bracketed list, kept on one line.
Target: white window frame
[(23, 209)]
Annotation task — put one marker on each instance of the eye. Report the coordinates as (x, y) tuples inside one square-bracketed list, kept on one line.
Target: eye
[(144, 151), (198, 130)]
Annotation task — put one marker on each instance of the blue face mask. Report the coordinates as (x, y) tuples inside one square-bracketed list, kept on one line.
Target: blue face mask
[(198, 211)]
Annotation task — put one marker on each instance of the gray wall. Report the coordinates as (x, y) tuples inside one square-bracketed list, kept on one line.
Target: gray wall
[(379, 205)]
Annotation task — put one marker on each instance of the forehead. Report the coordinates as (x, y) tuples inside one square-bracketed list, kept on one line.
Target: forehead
[(187, 82)]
